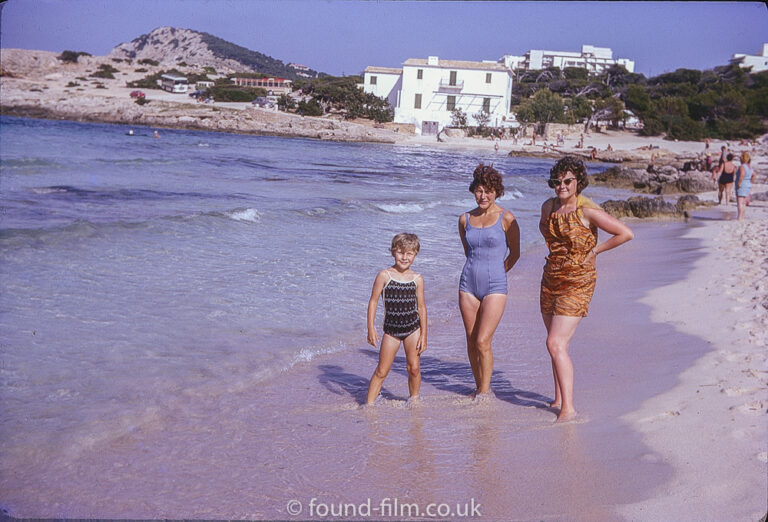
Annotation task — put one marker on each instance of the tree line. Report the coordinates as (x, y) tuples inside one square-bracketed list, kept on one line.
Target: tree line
[(727, 102)]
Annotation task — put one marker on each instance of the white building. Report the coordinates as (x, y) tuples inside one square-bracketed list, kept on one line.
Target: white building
[(758, 63), (384, 82), (428, 90), (594, 59), (172, 83)]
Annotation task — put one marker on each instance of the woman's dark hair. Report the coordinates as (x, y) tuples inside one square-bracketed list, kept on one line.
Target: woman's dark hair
[(729, 157), (489, 178), (576, 166)]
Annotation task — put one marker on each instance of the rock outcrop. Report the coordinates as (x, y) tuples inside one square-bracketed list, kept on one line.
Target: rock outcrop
[(663, 180), (645, 207)]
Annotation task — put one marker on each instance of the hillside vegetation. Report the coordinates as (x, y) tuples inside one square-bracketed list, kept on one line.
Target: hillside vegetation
[(253, 59), (726, 102)]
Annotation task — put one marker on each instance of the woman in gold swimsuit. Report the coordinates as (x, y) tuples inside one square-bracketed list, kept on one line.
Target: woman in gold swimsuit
[(569, 224)]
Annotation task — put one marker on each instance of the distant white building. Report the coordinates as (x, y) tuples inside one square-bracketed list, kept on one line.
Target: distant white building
[(758, 63), (426, 91), (172, 83), (594, 59), (384, 82)]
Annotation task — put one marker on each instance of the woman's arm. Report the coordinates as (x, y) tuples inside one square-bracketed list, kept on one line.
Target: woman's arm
[(716, 171), (373, 302), (421, 305), (512, 232), (620, 233), (740, 176), (462, 232), (546, 209)]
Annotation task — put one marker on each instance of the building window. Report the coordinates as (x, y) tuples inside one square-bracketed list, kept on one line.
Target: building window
[(452, 79), (417, 102), (373, 80), (451, 103), (487, 105), (419, 74), (487, 77)]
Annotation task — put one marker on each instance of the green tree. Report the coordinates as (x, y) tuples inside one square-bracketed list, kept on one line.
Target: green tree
[(545, 107), (458, 118)]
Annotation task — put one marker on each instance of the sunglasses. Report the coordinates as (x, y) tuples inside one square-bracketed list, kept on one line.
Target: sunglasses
[(554, 183)]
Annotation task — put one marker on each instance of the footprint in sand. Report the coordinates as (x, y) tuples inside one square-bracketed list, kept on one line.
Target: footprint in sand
[(763, 456), (751, 408), (661, 416), (735, 391)]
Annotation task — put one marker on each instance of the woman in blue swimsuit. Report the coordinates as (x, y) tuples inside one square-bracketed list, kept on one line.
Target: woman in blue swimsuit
[(491, 239)]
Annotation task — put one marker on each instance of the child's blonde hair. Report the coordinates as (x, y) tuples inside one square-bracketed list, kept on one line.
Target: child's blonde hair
[(405, 242)]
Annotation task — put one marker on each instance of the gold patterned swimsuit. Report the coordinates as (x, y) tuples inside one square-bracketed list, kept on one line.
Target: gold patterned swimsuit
[(568, 283)]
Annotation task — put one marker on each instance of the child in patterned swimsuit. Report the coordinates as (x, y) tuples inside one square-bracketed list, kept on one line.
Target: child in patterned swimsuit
[(405, 319)]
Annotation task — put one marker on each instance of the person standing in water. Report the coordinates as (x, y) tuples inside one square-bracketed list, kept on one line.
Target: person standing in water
[(405, 319), (569, 223), (491, 239)]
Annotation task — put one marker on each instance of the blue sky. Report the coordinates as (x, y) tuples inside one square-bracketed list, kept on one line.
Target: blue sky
[(343, 37)]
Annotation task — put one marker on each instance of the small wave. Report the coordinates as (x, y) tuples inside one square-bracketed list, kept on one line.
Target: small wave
[(250, 215), (401, 208), (511, 194)]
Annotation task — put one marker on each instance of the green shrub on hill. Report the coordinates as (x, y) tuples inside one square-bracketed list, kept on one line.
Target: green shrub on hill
[(71, 56), (229, 93)]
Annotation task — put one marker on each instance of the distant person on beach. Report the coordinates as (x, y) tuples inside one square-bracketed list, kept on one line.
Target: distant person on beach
[(744, 179), (723, 154), (580, 145), (569, 223), (405, 318), (726, 171), (490, 236)]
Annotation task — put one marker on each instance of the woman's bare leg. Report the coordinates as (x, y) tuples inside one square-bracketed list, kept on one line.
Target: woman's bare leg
[(559, 334)]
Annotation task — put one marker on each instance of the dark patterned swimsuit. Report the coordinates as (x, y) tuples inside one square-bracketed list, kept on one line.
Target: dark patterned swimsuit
[(402, 313)]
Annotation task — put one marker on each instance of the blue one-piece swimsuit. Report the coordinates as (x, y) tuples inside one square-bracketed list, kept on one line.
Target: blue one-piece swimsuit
[(483, 272)]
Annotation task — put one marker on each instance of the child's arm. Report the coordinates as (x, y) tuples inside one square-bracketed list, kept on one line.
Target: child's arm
[(378, 287), (421, 305)]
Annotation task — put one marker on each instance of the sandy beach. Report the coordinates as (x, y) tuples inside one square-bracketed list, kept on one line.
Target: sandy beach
[(671, 382)]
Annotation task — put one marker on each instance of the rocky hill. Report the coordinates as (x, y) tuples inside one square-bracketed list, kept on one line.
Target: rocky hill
[(170, 46)]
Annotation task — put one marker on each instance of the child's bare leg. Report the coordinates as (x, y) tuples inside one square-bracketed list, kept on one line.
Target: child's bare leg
[(413, 362), (389, 347), (560, 332)]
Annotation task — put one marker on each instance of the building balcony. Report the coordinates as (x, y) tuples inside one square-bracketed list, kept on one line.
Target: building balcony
[(445, 86)]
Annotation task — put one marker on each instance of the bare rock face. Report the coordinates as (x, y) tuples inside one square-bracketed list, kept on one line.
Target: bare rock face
[(664, 180), (169, 46), (644, 207)]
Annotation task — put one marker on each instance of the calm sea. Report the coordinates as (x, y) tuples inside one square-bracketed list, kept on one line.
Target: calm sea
[(134, 270)]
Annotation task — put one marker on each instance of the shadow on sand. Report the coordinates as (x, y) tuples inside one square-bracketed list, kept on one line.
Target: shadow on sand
[(448, 376)]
